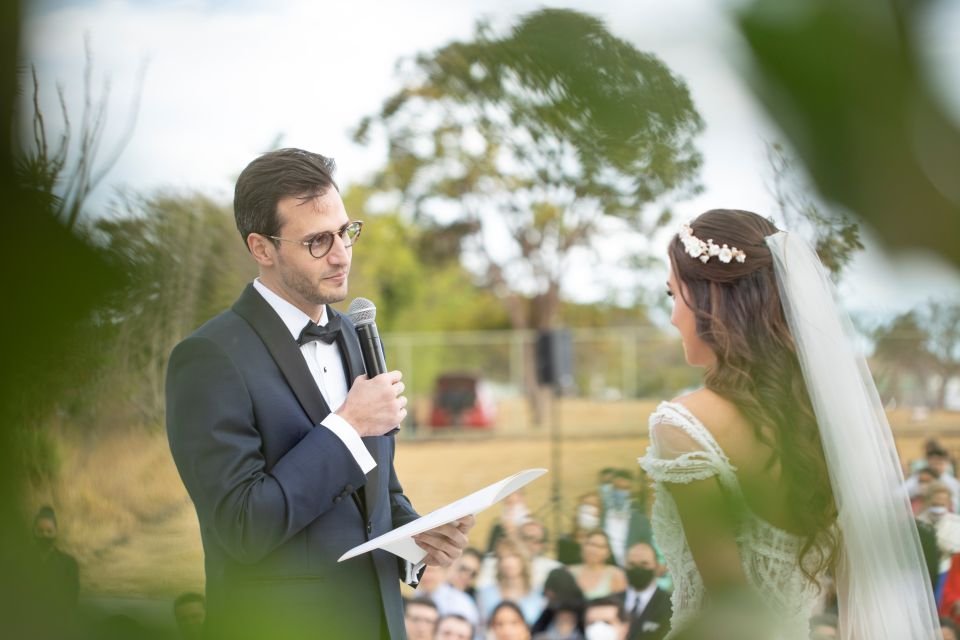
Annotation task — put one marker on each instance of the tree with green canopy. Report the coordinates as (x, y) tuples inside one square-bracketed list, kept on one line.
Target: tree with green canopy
[(533, 146)]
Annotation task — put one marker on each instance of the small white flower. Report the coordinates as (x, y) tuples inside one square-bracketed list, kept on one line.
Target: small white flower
[(703, 251), (692, 246)]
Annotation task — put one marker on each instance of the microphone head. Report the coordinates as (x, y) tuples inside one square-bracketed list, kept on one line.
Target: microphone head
[(362, 311)]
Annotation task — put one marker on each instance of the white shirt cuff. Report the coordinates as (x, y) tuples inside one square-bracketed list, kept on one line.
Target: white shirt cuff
[(348, 435), (413, 570)]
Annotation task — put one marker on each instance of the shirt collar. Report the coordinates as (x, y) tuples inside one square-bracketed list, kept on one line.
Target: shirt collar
[(643, 596), (293, 318)]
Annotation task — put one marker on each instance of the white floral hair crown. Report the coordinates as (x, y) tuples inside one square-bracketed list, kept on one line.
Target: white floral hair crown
[(697, 248)]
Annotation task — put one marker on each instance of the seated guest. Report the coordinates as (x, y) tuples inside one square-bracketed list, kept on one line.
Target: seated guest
[(512, 582), (596, 577), (190, 610), (586, 518), (948, 630), (420, 618), (562, 594), (823, 627), (533, 537), (506, 623), (565, 622), (448, 599), (604, 618), (463, 573), (647, 606), (454, 627)]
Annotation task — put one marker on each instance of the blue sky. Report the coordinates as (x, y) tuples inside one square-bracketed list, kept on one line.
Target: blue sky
[(224, 79)]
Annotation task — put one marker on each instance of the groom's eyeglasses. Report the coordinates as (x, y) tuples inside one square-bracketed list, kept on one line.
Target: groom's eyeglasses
[(320, 244)]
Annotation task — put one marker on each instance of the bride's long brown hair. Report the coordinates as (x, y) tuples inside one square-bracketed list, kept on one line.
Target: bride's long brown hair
[(739, 315)]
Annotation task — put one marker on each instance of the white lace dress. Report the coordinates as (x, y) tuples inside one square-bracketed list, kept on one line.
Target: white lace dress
[(682, 450)]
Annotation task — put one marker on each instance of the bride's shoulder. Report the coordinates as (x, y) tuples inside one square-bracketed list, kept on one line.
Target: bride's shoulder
[(718, 415)]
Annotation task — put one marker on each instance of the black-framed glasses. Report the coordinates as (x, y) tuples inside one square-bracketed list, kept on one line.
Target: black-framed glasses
[(320, 244)]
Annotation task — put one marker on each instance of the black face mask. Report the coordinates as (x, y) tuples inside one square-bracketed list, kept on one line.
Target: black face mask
[(639, 577)]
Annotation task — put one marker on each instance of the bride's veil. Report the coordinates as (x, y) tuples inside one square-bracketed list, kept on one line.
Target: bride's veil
[(882, 584)]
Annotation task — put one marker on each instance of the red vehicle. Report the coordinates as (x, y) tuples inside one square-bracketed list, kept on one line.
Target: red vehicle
[(462, 400)]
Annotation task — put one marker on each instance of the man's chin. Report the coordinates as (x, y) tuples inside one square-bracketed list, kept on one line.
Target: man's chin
[(332, 295)]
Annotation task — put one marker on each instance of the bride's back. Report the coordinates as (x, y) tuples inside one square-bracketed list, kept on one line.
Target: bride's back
[(760, 480)]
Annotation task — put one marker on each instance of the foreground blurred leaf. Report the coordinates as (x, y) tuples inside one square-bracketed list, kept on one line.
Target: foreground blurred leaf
[(844, 80)]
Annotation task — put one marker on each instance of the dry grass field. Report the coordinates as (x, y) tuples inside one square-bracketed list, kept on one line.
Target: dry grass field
[(125, 515)]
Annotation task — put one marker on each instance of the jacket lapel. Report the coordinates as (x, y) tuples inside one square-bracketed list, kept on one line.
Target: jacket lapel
[(254, 309)]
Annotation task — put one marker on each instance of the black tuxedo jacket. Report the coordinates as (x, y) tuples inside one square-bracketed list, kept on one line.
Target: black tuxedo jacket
[(278, 497), (653, 623)]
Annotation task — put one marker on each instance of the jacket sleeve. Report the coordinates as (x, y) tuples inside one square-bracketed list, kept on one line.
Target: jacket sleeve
[(251, 510)]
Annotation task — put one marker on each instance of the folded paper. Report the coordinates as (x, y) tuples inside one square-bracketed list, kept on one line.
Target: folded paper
[(400, 541)]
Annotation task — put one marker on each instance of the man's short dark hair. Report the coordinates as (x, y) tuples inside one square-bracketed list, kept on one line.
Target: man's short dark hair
[(473, 551), (456, 616), (419, 600), (187, 598), (824, 620), (273, 176), (623, 473), (610, 601), (45, 512)]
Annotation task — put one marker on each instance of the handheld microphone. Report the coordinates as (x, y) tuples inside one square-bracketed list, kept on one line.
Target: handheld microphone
[(363, 312)]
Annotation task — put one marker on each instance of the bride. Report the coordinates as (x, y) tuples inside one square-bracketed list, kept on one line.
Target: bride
[(781, 470)]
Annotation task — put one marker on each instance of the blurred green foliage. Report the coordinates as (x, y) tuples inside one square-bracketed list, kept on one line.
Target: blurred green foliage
[(520, 149), (846, 82)]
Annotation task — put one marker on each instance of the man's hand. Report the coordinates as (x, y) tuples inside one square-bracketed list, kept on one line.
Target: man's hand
[(445, 543), (375, 406)]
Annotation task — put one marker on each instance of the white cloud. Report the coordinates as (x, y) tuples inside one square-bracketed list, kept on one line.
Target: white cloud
[(225, 78)]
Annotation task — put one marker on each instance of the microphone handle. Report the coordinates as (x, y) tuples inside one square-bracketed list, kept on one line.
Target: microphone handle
[(370, 347), (372, 352)]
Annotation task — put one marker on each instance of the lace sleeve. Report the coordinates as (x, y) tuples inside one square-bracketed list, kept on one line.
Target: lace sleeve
[(679, 451)]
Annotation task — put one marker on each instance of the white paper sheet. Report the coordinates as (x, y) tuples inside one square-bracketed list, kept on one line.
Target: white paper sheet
[(400, 540)]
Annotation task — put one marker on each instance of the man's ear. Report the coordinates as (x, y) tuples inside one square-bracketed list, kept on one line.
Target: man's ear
[(262, 249)]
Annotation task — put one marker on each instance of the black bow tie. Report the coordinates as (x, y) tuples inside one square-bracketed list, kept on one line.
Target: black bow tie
[(328, 333)]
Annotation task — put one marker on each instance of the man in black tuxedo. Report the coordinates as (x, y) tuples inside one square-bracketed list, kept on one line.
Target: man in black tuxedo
[(283, 443), (648, 606)]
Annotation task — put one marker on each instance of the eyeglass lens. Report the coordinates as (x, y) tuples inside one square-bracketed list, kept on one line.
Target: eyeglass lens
[(323, 242)]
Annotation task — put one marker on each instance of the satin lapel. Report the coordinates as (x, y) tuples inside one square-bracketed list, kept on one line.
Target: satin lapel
[(353, 367), (254, 309)]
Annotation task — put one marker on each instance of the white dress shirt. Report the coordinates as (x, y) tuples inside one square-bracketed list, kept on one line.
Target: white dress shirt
[(325, 365)]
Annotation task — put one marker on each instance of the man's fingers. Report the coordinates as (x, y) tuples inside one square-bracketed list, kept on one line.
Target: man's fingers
[(436, 555)]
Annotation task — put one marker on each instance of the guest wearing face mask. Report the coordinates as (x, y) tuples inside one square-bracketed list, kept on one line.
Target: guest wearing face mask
[(947, 527), (647, 605), (513, 513), (605, 619), (586, 518), (624, 517), (605, 485)]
